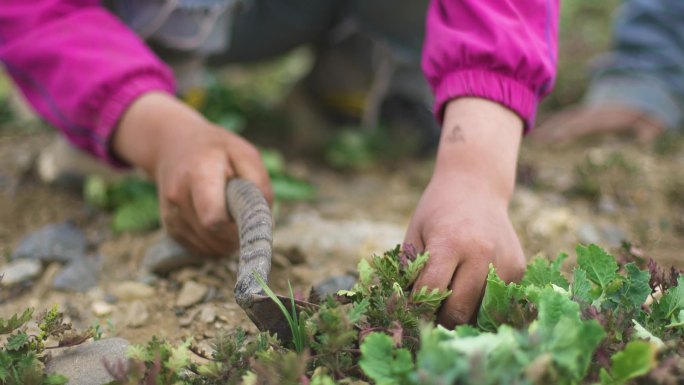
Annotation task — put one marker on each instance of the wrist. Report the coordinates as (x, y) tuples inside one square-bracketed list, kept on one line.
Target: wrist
[(479, 145), (148, 125)]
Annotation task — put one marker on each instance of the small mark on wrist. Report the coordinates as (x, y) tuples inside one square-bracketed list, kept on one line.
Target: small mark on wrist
[(455, 135)]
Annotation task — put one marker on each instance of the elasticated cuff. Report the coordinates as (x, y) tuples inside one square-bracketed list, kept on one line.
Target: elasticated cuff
[(487, 85), (642, 92), (116, 105)]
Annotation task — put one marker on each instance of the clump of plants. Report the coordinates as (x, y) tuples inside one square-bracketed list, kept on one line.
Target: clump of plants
[(25, 343), (610, 322)]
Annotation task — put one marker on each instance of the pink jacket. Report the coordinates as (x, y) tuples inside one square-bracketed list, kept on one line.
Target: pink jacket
[(80, 67)]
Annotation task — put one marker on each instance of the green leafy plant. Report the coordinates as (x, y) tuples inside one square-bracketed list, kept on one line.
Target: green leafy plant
[(608, 322), (23, 349), (133, 202)]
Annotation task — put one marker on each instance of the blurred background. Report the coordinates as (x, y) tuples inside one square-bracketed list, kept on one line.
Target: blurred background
[(343, 191)]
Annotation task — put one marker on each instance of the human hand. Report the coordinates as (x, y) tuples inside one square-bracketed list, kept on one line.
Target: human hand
[(465, 227), (575, 122), (191, 160), (462, 217)]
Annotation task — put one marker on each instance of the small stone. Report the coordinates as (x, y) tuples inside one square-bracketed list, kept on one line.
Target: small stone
[(53, 243), (208, 314), (83, 364), (191, 293), (607, 205), (613, 235), (587, 233), (332, 285), (79, 275), (551, 222), (19, 271), (137, 314), (166, 255), (131, 290), (101, 308)]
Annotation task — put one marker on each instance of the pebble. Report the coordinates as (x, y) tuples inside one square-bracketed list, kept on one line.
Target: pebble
[(83, 364), (53, 243), (607, 205), (551, 222), (101, 308), (131, 290), (137, 314), (191, 293), (79, 275), (587, 233), (166, 255), (19, 271), (208, 314), (613, 235), (333, 284)]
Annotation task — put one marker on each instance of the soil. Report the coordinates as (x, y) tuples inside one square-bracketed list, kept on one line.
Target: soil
[(645, 204)]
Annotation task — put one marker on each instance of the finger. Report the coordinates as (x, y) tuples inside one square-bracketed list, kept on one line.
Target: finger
[(414, 238), (180, 222), (246, 162), (440, 267), (207, 192), (467, 287)]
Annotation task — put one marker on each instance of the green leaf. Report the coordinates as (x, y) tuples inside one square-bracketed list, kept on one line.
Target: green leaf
[(672, 302), (570, 340), (635, 288), (637, 359), (366, 272), (290, 189), (179, 358), (497, 302), (138, 215), (8, 326), (542, 273), (601, 267), (415, 267), (273, 161), (433, 297), (678, 321), (383, 363), (17, 341), (358, 310), (553, 306), (581, 286)]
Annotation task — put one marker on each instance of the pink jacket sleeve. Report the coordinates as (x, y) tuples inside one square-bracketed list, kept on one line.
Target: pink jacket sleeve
[(501, 50), (78, 66)]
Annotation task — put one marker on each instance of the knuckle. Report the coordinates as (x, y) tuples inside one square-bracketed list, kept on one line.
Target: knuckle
[(212, 222), (471, 243)]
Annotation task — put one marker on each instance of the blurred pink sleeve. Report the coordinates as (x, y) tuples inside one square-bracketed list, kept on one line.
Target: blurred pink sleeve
[(501, 50), (78, 66)]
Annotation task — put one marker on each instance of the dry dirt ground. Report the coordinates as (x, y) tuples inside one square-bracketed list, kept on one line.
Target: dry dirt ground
[(638, 197)]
